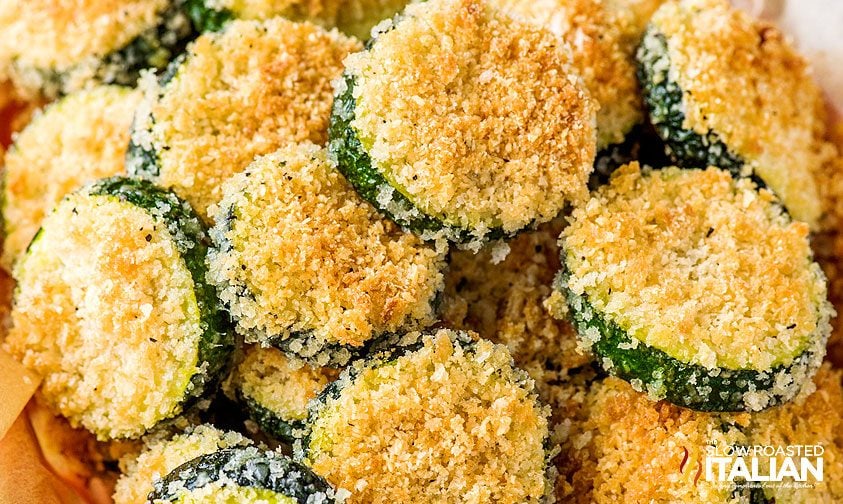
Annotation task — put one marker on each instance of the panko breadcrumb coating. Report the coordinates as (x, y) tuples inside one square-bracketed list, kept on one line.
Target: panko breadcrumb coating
[(504, 302), (621, 447), (731, 274), (246, 91), (447, 421), (108, 310), (59, 46), (302, 262), (478, 120), (276, 389), (163, 454), (742, 81), (602, 36), (813, 420), (74, 141)]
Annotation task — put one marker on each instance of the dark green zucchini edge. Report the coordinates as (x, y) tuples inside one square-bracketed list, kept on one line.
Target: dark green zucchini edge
[(684, 384), (270, 422), (245, 467), (217, 340), (153, 48), (641, 144), (663, 99), (296, 343), (382, 353), (206, 18), (352, 160)]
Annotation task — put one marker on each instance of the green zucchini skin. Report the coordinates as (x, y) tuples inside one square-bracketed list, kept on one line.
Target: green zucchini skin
[(217, 341), (352, 160), (206, 18), (247, 467), (269, 421), (663, 99), (684, 384)]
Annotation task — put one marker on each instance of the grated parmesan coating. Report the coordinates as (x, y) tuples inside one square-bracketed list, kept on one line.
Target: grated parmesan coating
[(621, 447), (602, 36), (163, 454), (278, 383), (477, 119), (743, 81), (731, 283), (105, 311), (353, 17), (447, 422), (297, 251), (74, 141), (228, 492), (243, 92), (505, 302), (43, 39), (813, 419)]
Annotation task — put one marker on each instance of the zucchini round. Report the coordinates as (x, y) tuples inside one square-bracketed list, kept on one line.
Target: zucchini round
[(236, 94), (112, 309), (162, 454), (275, 390), (728, 313), (460, 123), (724, 90), (57, 48), (347, 276), (239, 475), (75, 141), (442, 419)]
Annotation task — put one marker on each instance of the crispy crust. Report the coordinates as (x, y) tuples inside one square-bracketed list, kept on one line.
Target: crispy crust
[(348, 274), (602, 36), (449, 422), (744, 82), (243, 92), (722, 244), (485, 128), (74, 141), (163, 454), (622, 447)]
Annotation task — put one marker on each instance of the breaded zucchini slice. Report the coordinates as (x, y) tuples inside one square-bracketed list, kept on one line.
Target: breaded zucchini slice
[(75, 141), (461, 123), (727, 313), (728, 91), (622, 447), (602, 37), (56, 47), (112, 309), (354, 17), (240, 475), (305, 264), (444, 419), (238, 93), (275, 390), (162, 454)]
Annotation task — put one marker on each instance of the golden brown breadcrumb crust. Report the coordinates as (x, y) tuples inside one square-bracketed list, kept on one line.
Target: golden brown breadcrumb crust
[(115, 339), (246, 91), (478, 119), (315, 257), (440, 424), (731, 282), (74, 141), (602, 36), (621, 447), (282, 385), (744, 81)]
